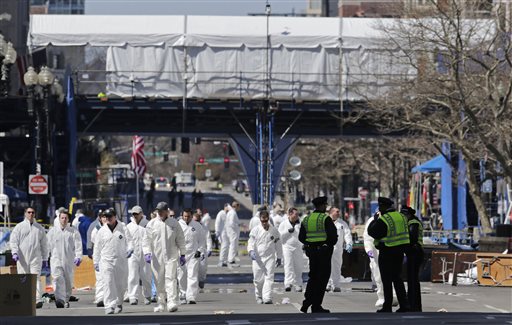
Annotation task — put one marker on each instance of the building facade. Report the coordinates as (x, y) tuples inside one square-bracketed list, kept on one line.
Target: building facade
[(57, 7)]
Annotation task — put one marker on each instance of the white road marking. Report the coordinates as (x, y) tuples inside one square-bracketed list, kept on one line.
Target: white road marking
[(497, 309), (469, 299), (238, 322), (296, 305)]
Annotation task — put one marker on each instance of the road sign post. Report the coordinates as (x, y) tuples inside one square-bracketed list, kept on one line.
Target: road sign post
[(38, 184)]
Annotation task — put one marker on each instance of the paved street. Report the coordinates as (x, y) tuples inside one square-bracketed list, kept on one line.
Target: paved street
[(228, 298)]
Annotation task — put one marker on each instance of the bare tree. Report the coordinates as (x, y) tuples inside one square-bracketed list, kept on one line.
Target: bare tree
[(462, 85)]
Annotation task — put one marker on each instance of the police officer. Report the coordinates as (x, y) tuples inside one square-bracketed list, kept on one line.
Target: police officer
[(414, 255), (318, 234), (392, 238)]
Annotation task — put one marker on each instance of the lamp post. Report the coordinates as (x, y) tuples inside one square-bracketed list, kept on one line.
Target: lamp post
[(38, 106), (8, 58)]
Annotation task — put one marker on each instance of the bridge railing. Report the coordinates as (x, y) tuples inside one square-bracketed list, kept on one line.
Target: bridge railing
[(235, 84)]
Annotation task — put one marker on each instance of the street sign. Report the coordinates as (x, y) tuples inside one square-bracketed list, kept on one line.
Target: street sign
[(208, 173), (38, 184)]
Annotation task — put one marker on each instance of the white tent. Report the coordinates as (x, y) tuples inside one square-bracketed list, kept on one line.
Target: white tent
[(219, 56)]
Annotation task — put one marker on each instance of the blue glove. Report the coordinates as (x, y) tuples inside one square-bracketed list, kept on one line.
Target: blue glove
[(89, 253), (45, 264), (77, 261), (129, 253), (209, 253), (15, 257), (203, 257), (97, 267), (183, 260), (252, 254), (278, 262), (370, 254), (349, 248), (147, 258), (405, 260)]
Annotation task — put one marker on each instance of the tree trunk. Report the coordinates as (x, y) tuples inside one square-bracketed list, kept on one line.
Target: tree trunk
[(474, 191)]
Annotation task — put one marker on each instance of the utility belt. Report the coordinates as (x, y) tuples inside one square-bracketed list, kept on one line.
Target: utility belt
[(316, 248)]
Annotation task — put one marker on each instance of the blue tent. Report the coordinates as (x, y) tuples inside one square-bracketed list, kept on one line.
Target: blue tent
[(15, 194), (440, 164)]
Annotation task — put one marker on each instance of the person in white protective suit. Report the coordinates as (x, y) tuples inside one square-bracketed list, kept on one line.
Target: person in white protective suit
[(292, 251), (138, 270), (373, 254), (232, 228), (29, 248), (195, 249), (221, 235), (206, 219), (255, 220), (265, 249), (344, 239), (164, 247), (65, 246), (278, 216), (99, 289), (113, 247), (203, 264)]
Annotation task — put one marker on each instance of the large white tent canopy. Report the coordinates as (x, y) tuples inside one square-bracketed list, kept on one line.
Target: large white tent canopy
[(222, 57)]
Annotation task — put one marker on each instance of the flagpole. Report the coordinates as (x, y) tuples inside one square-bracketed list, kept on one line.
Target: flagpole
[(137, 187)]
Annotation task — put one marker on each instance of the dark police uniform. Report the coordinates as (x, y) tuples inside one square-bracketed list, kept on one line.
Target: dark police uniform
[(391, 235), (414, 255), (318, 234)]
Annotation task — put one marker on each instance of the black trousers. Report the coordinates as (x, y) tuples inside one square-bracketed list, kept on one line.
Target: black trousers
[(414, 260), (390, 265), (319, 273)]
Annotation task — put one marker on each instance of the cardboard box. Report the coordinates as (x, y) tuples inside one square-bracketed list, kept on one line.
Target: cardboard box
[(8, 269), (17, 296)]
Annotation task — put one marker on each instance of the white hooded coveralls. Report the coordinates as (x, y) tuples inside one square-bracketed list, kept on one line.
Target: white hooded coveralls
[(203, 264), (267, 246), (110, 251), (222, 237), (292, 253), (374, 262), (188, 274), (166, 242), (232, 228), (138, 269), (30, 243), (344, 237), (65, 245), (99, 290)]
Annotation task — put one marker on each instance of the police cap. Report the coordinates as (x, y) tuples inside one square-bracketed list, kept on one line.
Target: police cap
[(319, 200), (384, 201), (408, 211)]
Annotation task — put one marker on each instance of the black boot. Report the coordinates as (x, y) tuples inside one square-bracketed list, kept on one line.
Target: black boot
[(305, 306)]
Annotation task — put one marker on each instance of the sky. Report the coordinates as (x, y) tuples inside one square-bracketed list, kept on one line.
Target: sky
[(192, 7)]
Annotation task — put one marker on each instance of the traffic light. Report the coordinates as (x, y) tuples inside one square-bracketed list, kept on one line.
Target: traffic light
[(185, 145), (201, 160), (230, 150), (173, 144), (197, 140), (226, 162), (166, 156)]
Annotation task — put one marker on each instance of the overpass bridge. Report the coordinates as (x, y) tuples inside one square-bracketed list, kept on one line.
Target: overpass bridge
[(264, 82)]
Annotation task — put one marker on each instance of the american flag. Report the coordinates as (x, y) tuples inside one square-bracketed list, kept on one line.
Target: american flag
[(138, 159)]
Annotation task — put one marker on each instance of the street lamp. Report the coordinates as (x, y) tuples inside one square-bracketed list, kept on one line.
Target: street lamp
[(8, 53), (38, 106)]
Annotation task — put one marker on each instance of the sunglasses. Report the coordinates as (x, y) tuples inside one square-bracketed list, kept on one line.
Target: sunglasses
[(31, 212), (172, 215)]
